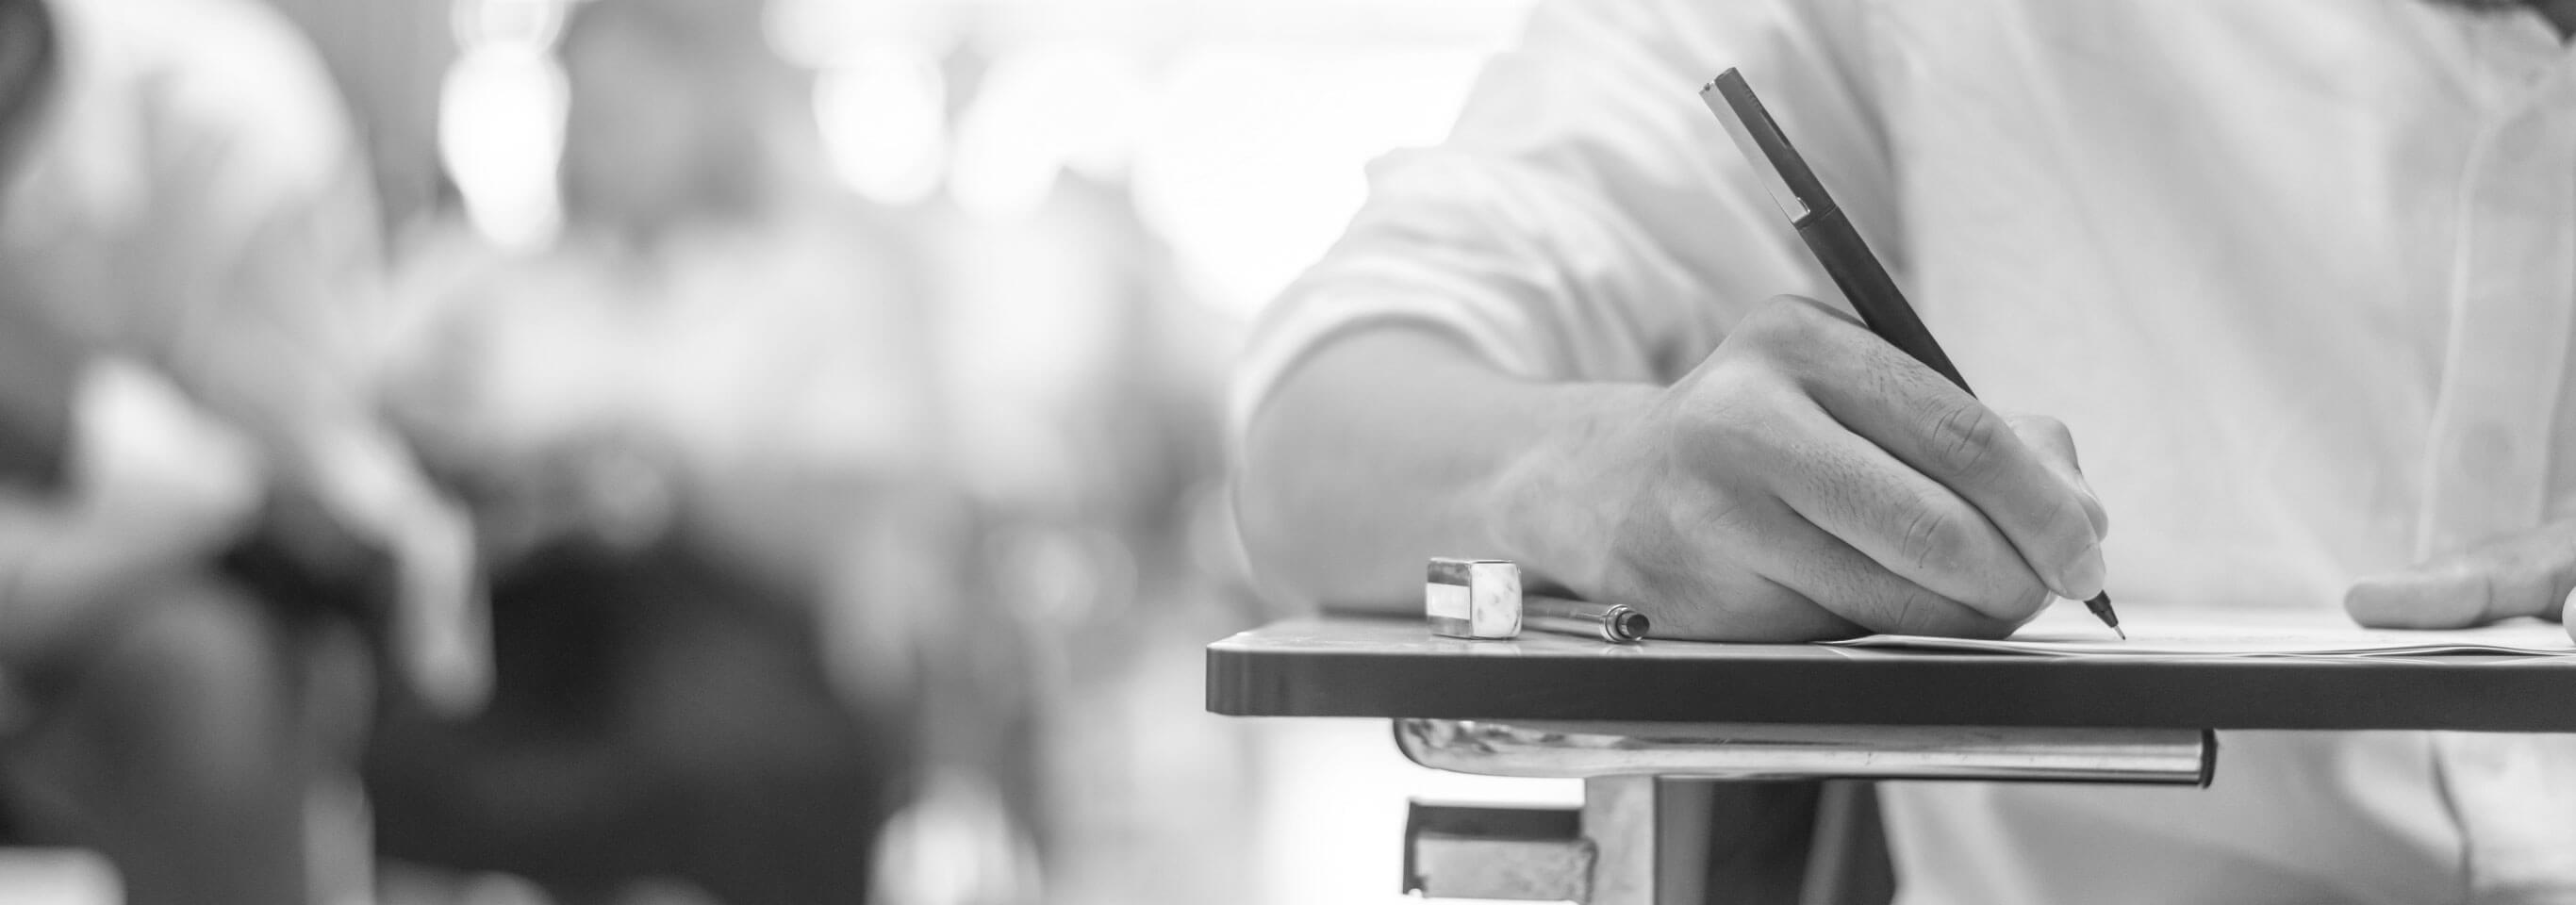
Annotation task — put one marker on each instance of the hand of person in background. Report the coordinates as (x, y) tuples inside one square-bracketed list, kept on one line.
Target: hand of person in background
[(153, 487), (440, 631), (2528, 574), (1808, 479)]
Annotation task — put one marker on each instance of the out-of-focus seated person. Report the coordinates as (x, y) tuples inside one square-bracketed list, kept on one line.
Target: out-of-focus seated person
[(187, 260), (673, 425), (718, 303), (723, 343)]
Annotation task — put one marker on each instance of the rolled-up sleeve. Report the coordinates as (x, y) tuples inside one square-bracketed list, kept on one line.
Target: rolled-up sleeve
[(1587, 219)]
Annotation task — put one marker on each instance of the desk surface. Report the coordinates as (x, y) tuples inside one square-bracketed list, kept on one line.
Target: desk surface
[(1364, 667)]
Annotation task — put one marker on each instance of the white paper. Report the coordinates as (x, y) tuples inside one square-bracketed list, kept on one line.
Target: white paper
[(2067, 629)]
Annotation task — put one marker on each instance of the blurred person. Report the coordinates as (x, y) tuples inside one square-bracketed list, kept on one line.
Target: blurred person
[(698, 433), (1077, 374), (186, 266), (2298, 272), (388, 59), (1119, 562)]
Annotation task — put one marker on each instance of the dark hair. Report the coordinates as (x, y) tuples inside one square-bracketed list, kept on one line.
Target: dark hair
[(27, 60)]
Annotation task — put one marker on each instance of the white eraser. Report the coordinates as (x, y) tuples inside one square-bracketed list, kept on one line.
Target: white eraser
[(1473, 598)]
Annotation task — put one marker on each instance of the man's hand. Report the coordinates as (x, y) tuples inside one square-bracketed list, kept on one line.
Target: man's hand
[(2529, 574), (1808, 480)]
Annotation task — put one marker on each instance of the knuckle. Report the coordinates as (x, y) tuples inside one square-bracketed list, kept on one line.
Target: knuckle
[(1817, 315), (1784, 325), (1764, 320), (1929, 539), (1964, 438), (1793, 311)]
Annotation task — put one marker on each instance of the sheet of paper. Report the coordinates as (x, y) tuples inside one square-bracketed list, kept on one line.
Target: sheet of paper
[(2067, 629)]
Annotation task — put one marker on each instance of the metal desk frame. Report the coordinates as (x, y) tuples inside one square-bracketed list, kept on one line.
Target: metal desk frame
[(1650, 756)]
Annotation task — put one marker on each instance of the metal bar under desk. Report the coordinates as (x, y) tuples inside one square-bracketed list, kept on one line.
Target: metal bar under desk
[(1750, 751)]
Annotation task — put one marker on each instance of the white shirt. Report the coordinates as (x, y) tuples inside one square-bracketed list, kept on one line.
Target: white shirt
[(195, 199), (2299, 274)]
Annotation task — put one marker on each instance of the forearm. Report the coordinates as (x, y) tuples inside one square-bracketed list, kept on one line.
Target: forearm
[(155, 488), (1391, 446)]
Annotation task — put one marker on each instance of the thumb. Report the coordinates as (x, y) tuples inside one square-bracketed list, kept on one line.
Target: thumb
[(2528, 575), (2056, 447)]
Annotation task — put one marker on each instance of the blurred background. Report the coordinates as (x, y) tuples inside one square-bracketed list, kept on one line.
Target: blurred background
[(833, 389)]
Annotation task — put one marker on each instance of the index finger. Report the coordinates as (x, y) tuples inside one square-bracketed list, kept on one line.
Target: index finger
[(1939, 430)]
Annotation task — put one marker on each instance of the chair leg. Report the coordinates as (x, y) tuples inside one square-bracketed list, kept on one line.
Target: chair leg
[(1849, 864), (1758, 840), (1702, 842), (1651, 836)]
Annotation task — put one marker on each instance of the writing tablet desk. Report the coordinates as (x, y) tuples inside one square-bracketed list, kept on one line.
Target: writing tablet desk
[(1650, 726)]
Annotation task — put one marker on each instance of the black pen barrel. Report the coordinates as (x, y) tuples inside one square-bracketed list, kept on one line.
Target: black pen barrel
[(1872, 292)]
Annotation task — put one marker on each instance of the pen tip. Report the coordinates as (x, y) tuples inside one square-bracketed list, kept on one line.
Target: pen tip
[(2101, 607)]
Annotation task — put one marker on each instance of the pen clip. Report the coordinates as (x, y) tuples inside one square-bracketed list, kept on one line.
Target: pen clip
[(1784, 173)]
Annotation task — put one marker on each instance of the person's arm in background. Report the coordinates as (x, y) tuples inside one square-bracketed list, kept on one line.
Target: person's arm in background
[(147, 487), (1486, 364), (84, 505), (109, 477), (273, 290), (292, 356)]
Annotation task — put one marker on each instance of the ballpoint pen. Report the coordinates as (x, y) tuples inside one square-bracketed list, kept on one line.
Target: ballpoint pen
[(1829, 234)]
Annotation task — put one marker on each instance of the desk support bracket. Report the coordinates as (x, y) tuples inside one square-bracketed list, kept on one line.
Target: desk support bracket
[(1645, 823), (1756, 751)]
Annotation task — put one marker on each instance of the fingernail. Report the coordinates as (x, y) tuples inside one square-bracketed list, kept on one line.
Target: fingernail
[(2083, 578)]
